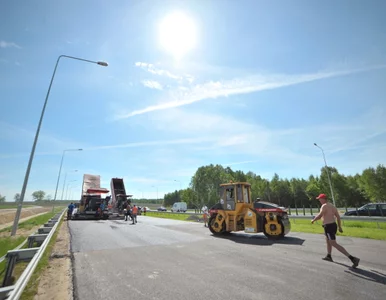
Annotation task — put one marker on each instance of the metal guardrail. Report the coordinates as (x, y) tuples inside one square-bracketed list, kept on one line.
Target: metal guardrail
[(17, 248), (15, 291)]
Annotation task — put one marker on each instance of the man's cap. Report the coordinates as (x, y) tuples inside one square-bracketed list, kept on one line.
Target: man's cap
[(321, 196)]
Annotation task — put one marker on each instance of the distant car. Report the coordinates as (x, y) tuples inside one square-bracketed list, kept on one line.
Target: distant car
[(371, 209), (161, 208), (268, 205)]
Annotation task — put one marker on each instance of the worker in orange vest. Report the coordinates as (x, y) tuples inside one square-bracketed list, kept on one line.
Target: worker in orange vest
[(134, 212)]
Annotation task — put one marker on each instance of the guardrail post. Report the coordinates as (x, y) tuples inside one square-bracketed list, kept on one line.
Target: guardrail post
[(304, 210), (11, 261), (311, 210)]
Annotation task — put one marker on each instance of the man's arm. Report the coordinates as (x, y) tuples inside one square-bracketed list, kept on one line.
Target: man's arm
[(338, 220), (320, 215)]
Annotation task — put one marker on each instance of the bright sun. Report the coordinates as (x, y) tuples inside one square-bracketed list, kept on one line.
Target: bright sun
[(177, 34)]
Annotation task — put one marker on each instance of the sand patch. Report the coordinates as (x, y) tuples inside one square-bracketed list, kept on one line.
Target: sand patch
[(8, 216)]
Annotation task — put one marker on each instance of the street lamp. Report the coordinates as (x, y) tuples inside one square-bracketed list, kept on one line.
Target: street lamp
[(328, 173), (24, 188), (157, 190), (60, 169), (64, 182), (179, 182), (68, 185)]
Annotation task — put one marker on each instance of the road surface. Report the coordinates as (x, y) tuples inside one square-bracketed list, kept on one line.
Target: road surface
[(168, 259)]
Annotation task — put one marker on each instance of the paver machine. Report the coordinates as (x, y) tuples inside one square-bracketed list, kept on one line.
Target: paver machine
[(237, 212), (90, 205)]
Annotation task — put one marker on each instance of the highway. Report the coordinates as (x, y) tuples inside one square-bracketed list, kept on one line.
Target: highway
[(167, 259)]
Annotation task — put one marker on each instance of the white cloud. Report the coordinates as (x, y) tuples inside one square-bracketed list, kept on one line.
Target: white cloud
[(4, 44), (214, 89), (152, 84), (152, 69)]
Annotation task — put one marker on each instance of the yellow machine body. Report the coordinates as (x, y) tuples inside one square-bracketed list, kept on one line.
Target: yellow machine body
[(237, 212)]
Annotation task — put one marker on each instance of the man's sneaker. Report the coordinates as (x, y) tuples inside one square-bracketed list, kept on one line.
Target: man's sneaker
[(355, 262), (328, 258)]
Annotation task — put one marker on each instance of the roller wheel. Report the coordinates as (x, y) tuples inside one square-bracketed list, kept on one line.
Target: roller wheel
[(275, 237), (214, 226)]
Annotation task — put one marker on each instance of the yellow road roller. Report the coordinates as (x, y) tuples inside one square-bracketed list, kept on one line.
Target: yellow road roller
[(236, 211)]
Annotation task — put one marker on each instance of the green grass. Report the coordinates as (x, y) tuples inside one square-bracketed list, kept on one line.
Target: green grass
[(36, 221), (31, 289), (9, 243), (368, 230), (9, 206), (176, 216)]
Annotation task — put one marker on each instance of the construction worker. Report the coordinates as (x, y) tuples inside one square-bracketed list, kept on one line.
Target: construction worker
[(134, 213), (102, 208), (70, 210), (331, 224), (128, 212), (205, 214)]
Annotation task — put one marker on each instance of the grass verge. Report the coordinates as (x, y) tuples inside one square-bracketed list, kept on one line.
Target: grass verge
[(33, 222), (31, 289), (10, 206), (176, 216), (368, 230), (11, 242)]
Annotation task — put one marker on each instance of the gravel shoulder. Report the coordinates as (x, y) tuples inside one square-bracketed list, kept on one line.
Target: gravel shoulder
[(56, 280)]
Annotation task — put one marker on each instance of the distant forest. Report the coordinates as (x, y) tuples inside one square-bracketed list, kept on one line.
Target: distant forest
[(349, 191)]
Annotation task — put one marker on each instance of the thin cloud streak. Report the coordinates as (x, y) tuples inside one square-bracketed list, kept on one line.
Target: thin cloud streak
[(150, 143), (215, 89), (4, 44)]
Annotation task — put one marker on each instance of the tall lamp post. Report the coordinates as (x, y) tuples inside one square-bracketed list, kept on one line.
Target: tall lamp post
[(60, 170), (24, 188), (157, 190), (68, 185), (64, 183), (328, 173)]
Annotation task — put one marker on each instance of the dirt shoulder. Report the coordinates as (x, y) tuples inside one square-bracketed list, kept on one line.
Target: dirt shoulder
[(56, 279)]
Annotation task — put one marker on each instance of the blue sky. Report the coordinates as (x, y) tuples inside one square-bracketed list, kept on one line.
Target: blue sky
[(262, 83)]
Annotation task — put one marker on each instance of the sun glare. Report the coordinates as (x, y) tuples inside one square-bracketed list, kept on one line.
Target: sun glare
[(177, 34)]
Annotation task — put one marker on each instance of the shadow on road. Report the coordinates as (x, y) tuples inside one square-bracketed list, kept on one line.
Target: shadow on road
[(260, 240), (372, 275)]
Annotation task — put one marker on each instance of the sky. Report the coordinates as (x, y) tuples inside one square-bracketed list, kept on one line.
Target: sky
[(247, 84)]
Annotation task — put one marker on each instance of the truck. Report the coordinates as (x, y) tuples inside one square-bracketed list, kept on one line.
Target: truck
[(119, 198), (179, 207), (91, 199)]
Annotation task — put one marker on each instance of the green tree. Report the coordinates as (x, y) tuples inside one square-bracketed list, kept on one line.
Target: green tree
[(313, 189), (17, 197), (2, 198), (373, 183), (38, 195)]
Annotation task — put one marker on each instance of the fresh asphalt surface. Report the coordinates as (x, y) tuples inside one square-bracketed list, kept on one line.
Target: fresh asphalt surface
[(167, 259)]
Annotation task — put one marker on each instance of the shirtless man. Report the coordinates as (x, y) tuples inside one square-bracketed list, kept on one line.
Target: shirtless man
[(328, 213)]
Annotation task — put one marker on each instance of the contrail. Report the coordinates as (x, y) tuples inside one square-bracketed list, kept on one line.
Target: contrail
[(247, 85)]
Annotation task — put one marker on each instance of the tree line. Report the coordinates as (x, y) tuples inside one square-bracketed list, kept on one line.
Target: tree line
[(349, 191), (37, 196)]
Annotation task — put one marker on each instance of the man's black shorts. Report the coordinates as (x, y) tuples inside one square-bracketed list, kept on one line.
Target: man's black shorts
[(330, 230)]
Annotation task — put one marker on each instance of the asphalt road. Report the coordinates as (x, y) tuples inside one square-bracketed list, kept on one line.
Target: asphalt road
[(167, 259)]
